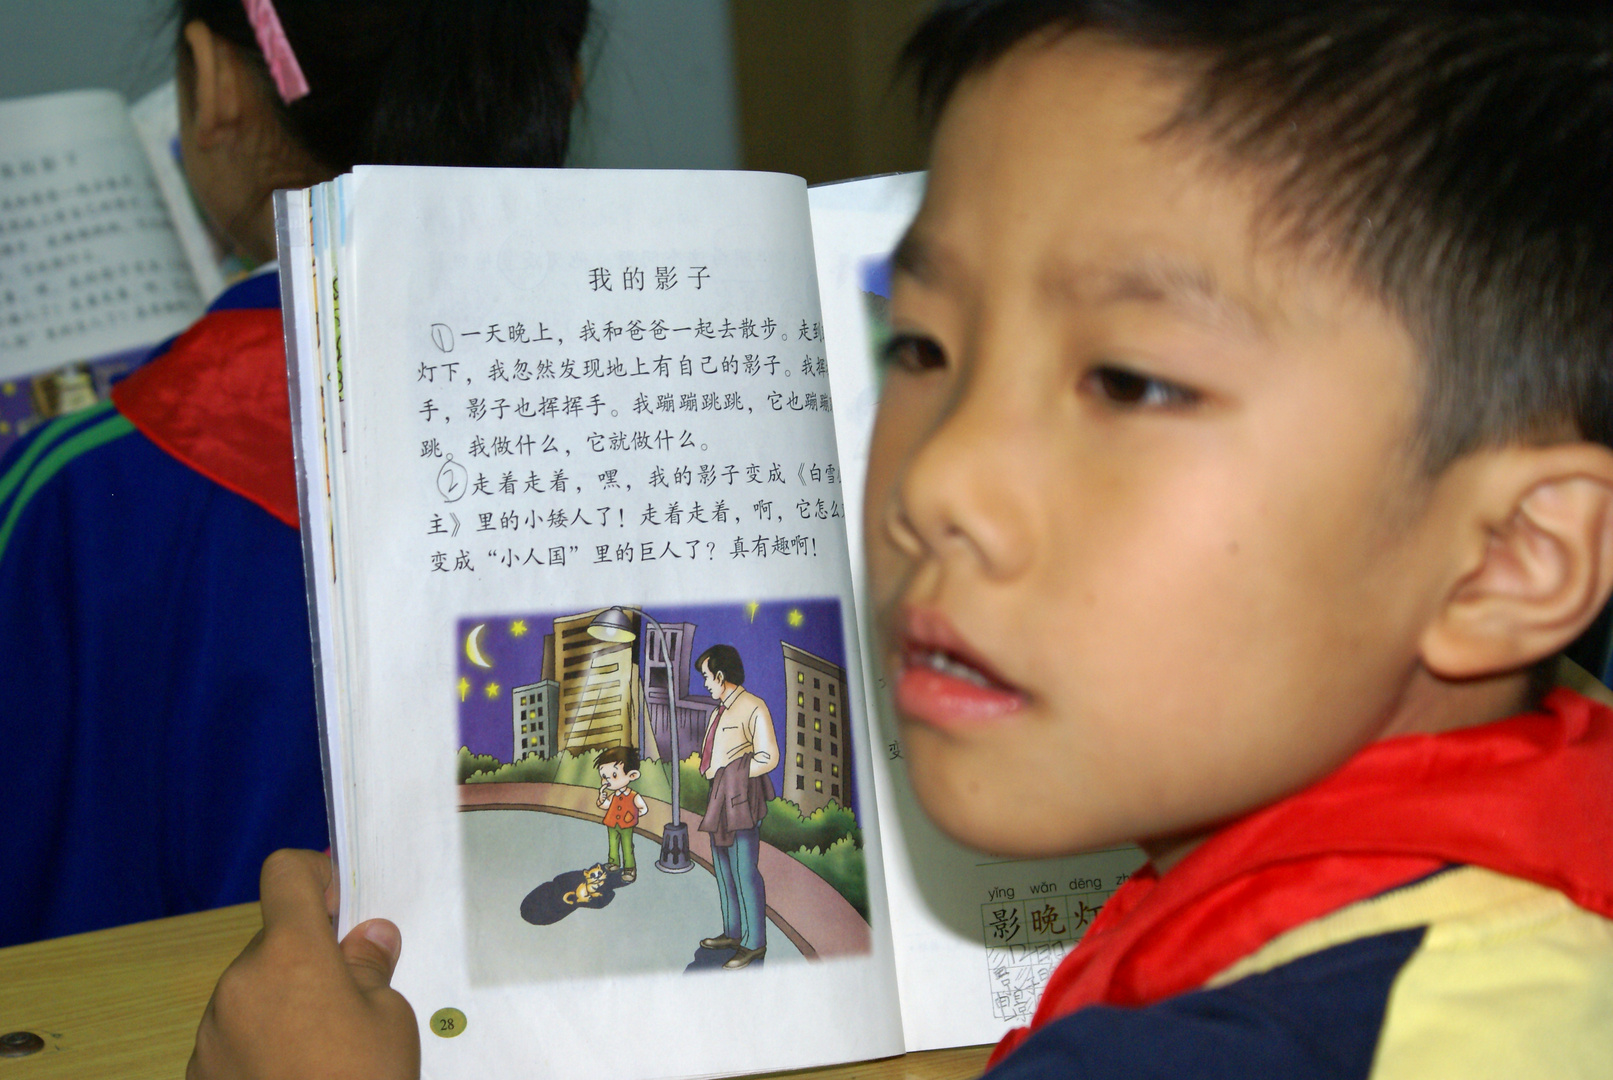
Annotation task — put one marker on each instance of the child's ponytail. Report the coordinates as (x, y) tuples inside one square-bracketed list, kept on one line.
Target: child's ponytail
[(421, 82)]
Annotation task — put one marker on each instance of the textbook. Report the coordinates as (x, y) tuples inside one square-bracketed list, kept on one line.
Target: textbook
[(103, 253), (580, 457)]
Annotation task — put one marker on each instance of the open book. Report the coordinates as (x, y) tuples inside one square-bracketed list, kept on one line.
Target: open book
[(102, 251), (559, 434)]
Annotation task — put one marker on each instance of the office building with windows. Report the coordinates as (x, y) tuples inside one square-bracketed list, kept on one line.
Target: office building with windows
[(535, 708), (815, 740)]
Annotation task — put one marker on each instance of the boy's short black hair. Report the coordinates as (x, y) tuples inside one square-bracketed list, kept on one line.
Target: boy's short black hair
[(1458, 156), (722, 660), (625, 756)]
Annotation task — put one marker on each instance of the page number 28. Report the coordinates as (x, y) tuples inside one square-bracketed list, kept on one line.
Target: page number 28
[(446, 1023)]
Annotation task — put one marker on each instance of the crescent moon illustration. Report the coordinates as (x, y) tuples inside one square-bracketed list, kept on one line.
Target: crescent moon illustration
[(473, 647)]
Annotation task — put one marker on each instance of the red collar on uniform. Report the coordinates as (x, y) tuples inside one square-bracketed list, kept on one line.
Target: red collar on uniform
[(216, 401), (1530, 796)]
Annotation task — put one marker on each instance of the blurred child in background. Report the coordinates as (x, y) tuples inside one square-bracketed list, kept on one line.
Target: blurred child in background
[(156, 688)]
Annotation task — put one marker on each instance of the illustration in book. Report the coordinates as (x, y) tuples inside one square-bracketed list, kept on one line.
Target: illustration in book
[(584, 846)]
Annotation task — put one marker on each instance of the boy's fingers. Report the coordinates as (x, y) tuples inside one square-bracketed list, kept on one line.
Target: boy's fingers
[(292, 892), (371, 950)]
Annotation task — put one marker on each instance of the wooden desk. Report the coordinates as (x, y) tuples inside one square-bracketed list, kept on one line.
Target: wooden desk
[(123, 1004), (118, 1003)]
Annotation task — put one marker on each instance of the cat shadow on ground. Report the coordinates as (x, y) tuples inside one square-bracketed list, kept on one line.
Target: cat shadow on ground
[(548, 903)]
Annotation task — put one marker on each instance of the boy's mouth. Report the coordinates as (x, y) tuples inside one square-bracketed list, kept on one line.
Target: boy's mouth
[(941, 681), (947, 665)]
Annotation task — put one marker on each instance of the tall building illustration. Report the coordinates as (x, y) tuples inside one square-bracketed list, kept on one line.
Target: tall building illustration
[(535, 709), (815, 742), (597, 687), (669, 694)]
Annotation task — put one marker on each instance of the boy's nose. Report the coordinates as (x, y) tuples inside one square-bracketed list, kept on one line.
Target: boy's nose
[(965, 496)]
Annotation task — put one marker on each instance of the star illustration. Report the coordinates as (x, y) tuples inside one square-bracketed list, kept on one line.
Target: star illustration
[(518, 628), (795, 618), (464, 688), (492, 690)]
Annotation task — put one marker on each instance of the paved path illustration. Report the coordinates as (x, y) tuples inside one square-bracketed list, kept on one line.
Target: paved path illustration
[(801, 906), (654, 924)]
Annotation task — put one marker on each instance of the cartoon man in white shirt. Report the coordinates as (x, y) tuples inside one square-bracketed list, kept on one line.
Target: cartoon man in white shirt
[(739, 750)]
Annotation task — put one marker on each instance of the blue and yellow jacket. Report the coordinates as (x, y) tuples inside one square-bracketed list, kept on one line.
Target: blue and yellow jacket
[(156, 687), (1439, 907)]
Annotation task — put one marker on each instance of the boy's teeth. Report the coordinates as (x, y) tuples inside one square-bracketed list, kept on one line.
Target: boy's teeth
[(946, 665)]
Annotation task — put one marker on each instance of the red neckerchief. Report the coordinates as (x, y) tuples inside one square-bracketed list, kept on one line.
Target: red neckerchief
[(217, 401), (1530, 796)]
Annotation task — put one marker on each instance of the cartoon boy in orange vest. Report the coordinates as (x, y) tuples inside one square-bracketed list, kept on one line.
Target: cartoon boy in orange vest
[(618, 767)]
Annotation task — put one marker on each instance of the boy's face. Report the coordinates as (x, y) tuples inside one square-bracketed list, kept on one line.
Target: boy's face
[(614, 777), (1144, 526)]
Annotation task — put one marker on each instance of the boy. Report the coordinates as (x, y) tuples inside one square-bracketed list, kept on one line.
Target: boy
[(1244, 451), (618, 767)]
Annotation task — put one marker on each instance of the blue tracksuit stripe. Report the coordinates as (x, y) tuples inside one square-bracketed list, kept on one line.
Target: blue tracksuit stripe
[(31, 450), (26, 479)]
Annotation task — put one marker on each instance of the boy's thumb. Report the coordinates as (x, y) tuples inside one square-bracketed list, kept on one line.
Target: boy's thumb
[(371, 950)]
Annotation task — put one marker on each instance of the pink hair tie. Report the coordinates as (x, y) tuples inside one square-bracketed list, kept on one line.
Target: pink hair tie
[(283, 66)]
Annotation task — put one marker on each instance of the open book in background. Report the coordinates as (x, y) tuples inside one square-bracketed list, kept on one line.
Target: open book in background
[(558, 434), (102, 251)]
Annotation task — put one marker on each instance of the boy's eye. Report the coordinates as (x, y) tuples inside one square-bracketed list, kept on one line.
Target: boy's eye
[(1122, 386), (910, 352)]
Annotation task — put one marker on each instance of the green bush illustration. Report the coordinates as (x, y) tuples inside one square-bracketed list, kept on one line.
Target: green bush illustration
[(471, 766), (695, 789), (786, 829), (564, 768)]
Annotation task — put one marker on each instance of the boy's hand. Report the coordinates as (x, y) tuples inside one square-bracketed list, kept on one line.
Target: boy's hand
[(296, 1004)]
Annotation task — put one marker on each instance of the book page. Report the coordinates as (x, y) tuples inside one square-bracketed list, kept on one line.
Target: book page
[(975, 937), (89, 260), (589, 440)]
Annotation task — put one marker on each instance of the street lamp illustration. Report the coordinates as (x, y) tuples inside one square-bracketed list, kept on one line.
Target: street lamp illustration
[(612, 625)]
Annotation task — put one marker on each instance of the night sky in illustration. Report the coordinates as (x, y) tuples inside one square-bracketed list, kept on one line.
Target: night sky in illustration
[(511, 643)]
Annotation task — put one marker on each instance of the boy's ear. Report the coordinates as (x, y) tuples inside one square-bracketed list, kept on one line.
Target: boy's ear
[(216, 94), (1535, 560)]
